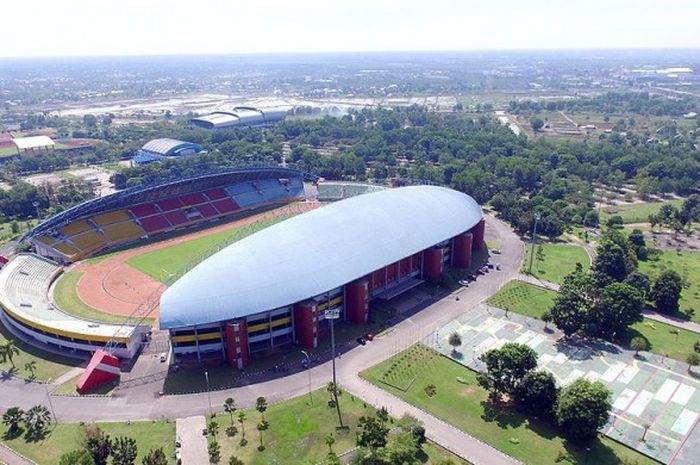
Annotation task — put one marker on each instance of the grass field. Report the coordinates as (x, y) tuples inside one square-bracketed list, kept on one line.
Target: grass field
[(48, 365), (463, 404), (171, 262), (687, 264), (533, 301), (559, 260), (66, 297), (8, 151), (297, 429), (635, 212), (68, 389), (65, 437)]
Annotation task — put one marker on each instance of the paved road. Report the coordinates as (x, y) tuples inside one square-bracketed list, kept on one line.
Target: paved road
[(193, 443), (138, 403)]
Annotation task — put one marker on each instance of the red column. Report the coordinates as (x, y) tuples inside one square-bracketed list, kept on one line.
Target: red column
[(432, 265), (478, 235), (462, 250), (236, 334), (306, 324), (357, 301)]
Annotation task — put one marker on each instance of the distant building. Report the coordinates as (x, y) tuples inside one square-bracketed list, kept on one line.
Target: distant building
[(240, 117), (163, 149), (34, 145)]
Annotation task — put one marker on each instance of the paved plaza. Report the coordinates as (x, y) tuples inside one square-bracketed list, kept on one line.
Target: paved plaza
[(649, 392)]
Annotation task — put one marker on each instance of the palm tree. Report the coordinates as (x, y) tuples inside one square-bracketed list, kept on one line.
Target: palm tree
[(455, 341), (332, 388), (36, 420), (12, 418), (230, 407), (693, 361), (30, 367), (329, 439), (262, 426), (241, 420), (7, 351), (639, 343), (261, 406)]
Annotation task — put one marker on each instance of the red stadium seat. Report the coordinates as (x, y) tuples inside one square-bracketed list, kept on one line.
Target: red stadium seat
[(207, 210), (176, 217), (192, 199), (144, 209), (169, 204), (215, 194), (154, 223), (225, 205)]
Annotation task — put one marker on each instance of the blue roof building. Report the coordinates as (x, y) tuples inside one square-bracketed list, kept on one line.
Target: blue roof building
[(273, 287), (162, 149)]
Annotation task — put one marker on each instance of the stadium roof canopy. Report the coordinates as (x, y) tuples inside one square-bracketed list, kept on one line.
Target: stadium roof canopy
[(316, 252), (170, 147), (240, 116), (33, 142)]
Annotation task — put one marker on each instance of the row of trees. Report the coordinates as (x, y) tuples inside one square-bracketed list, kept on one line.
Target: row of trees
[(33, 422), (97, 447), (579, 409)]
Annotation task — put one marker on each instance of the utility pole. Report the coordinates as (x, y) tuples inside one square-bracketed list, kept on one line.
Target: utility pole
[(534, 242), (334, 315), (308, 368), (206, 376)]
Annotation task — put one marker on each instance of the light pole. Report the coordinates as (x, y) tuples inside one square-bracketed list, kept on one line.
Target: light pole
[(206, 377), (308, 368), (48, 398), (334, 315), (36, 205), (534, 242)]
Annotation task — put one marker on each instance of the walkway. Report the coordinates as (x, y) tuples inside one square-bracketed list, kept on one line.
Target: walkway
[(138, 403), (10, 457), (193, 443)]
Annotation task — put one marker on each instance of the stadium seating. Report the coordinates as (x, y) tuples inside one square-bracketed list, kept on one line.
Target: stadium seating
[(192, 199), (124, 232), (75, 227), (207, 210), (112, 217), (169, 204), (225, 206), (215, 194), (154, 223), (89, 241), (176, 217), (66, 249), (144, 209)]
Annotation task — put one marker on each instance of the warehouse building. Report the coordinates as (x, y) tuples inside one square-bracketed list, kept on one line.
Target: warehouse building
[(240, 117)]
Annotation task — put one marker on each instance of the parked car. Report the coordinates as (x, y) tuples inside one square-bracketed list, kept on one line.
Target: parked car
[(496, 251), (369, 336), (163, 357), (463, 282), (361, 340)]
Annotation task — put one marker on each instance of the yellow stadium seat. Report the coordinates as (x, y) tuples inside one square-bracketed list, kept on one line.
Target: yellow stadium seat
[(89, 241), (46, 240), (124, 232), (76, 227), (66, 249), (111, 217)]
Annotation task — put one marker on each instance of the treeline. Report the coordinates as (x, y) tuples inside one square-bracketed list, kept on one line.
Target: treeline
[(639, 103)]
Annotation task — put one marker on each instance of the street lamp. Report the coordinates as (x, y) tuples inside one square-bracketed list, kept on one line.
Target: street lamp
[(308, 368), (48, 398), (36, 205), (206, 377), (534, 241), (332, 315)]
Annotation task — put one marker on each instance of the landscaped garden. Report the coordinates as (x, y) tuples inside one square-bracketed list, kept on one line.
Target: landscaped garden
[(687, 265), (552, 262)]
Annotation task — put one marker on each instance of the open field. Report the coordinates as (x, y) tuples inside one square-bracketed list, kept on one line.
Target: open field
[(559, 260), (65, 437), (297, 429), (461, 402), (66, 298), (529, 300), (687, 264), (48, 365), (635, 212), (170, 262)]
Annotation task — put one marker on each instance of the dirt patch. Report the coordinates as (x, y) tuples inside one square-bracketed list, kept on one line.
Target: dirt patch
[(115, 287)]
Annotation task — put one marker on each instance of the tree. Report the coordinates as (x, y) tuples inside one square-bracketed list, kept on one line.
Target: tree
[(334, 390), (619, 306), (610, 263), (615, 222), (30, 366), (155, 457), (639, 246), (547, 318), (329, 439), (639, 281), (261, 406), (213, 427), (537, 393), (401, 448), (569, 312), (76, 457), (536, 123), (90, 120), (666, 292), (12, 418), (230, 407), (693, 360), (36, 420), (214, 451), (455, 340), (638, 344), (8, 350), (124, 451), (98, 444), (241, 420), (582, 408), (591, 219), (261, 426), (372, 435), (505, 368), (233, 460)]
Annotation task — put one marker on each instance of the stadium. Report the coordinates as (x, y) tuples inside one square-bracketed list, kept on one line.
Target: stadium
[(166, 149), (267, 290), (238, 117)]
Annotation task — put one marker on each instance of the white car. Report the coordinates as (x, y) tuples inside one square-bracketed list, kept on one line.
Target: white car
[(163, 357)]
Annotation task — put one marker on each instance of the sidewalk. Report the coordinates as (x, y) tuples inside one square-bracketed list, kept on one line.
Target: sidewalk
[(10, 457), (193, 444)]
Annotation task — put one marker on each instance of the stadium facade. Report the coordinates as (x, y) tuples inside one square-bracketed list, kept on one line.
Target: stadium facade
[(273, 287), (240, 117), (164, 149)]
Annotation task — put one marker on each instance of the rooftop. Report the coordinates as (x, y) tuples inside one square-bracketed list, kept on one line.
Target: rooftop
[(24, 143)]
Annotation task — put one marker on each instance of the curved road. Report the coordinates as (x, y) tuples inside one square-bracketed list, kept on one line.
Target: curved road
[(138, 403)]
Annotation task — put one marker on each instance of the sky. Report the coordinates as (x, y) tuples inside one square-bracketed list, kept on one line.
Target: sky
[(39, 28)]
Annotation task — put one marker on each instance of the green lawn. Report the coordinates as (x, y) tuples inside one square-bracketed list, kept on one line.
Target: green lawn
[(687, 264), (636, 212), (171, 262), (8, 151), (524, 298), (464, 404), (533, 301), (65, 437), (297, 429), (48, 365), (68, 389), (66, 297), (558, 261)]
